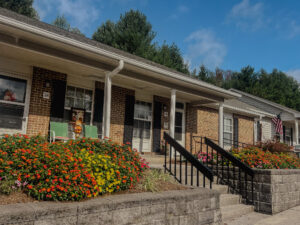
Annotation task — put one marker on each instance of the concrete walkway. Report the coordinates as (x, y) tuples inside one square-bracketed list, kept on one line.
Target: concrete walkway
[(288, 217)]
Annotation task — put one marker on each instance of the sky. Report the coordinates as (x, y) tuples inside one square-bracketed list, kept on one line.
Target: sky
[(228, 34)]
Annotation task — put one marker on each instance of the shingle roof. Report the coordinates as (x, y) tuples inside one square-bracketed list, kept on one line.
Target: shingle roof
[(276, 105), (81, 38)]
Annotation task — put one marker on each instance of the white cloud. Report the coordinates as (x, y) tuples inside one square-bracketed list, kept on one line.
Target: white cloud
[(247, 16), (180, 10), (204, 48), (79, 12), (293, 29), (294, 73)]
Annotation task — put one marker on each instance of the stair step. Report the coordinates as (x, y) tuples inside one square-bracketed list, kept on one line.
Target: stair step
[(234, 211), (247, 219), (229, 199)]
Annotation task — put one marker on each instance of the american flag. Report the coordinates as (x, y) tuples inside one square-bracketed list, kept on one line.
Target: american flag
[(278, 124)]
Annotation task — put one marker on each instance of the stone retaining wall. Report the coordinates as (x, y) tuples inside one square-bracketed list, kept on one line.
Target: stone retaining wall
[(185, 207), (276, 190)]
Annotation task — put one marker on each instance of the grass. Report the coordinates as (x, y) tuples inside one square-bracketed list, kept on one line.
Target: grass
[(155, 180)]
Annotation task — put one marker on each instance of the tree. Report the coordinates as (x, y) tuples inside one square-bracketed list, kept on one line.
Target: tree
[(24, 7), (170, 56), (62, 22), (133, 33)]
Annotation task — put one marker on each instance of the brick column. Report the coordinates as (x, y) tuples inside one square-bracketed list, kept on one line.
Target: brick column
[(39, 108)]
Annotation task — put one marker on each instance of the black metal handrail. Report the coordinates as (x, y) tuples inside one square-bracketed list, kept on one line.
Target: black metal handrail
[(224, 158), (199, 140), (186, 158)]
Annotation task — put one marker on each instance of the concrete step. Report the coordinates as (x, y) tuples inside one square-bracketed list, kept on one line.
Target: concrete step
[(234, 211), (252, 218), (154, 159), (229, 199)]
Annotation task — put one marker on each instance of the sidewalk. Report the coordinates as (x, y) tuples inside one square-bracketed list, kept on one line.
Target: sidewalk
[(288, 217)]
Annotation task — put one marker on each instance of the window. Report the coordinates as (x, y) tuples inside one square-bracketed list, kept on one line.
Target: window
[(79, 98), (288, 136), (178, 125), (142, 120), (12, 89), (179, 122), (228, 130), (12, 102)]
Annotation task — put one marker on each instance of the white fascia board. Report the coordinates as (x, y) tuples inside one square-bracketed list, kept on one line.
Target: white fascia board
[(242, 110), (36, 30)]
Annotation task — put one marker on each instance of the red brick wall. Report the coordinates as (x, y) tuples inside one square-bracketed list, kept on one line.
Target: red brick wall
[(200, 121), (246, 129), (39, 108), (118, 97)]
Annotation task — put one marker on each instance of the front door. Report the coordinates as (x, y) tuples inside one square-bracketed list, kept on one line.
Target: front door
[(142, 126)]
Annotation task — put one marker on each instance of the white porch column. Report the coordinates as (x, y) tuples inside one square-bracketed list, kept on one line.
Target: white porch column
[(221, 123), (107, 106), (296, 132), (172, 113)]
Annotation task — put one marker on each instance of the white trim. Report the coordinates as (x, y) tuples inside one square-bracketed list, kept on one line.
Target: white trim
[(93, 104), (151, 124), (183, 111), (221, 123), (35, 30), (26, 104)]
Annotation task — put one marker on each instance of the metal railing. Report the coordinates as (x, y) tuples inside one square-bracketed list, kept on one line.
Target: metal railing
[(198, 141), (173, 150), (230, 170)]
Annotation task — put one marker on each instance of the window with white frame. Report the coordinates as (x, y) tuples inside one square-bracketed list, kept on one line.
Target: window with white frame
[(12, 102), (79, 98), (179, 121), (228, 131), (142, 120), (288, 136)]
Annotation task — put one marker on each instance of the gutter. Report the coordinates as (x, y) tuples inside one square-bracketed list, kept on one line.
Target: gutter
[(107, 98), (35, 30)]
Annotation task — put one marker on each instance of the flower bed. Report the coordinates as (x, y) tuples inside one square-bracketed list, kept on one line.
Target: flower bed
[(257, 158), (68, 171)]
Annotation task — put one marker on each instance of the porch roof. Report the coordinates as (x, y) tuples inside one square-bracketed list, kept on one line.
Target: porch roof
[(35, 36), (282, 108)]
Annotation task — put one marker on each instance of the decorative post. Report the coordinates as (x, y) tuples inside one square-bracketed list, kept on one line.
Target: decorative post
[(172, 113), (107, 106), (221, 125), (296, 132)]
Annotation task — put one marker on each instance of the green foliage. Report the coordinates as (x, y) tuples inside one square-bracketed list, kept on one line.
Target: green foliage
[(275, 86), (6, 186), (153, 179), (62, 22), (23, 7), (274, 146), (257, 158), (133, 33), (68, 171), (170, 56)]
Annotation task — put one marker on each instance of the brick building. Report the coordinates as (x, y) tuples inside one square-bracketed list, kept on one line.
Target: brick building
[(46, 72)]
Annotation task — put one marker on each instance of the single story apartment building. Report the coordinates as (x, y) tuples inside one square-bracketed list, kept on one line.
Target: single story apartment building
[(290, 119), (46, 72)]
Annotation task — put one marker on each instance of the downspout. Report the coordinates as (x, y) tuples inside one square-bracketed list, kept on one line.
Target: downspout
[(107, 98)]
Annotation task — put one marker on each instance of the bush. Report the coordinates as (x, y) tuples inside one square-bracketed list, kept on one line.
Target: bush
[(274, 146), (68, 171), (257, 158)]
